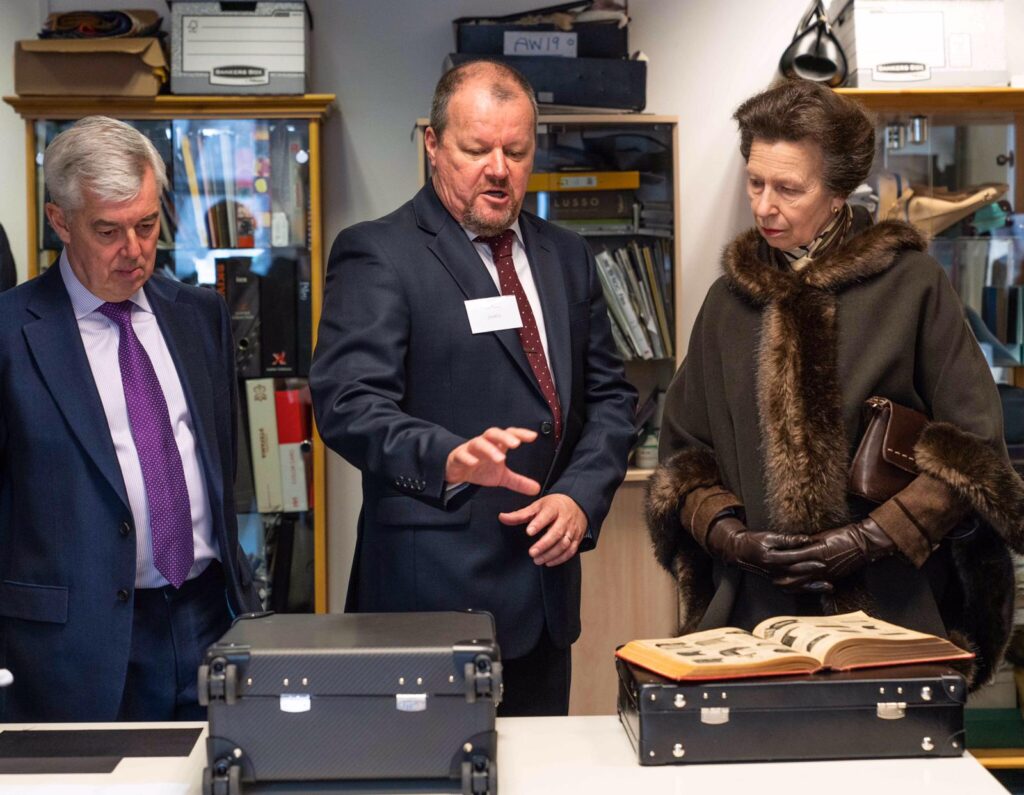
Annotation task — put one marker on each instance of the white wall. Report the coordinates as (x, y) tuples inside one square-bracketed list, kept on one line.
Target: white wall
[(18, 20), (382, 58)]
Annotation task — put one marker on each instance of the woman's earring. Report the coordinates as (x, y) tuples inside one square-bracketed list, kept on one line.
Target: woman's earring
[(835, 211)]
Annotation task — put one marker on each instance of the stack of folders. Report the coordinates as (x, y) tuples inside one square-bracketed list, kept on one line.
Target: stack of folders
[(637, 284)]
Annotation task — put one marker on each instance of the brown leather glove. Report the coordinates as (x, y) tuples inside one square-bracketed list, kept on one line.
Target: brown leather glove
[(840, 551), (919, 516), (766, 553)]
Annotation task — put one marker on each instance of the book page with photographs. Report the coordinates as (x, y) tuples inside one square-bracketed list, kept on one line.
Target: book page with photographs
[(856, 639), (716, 653)]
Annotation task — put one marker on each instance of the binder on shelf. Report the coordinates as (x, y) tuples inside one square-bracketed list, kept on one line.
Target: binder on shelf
[(614, 281), (586, 205), (263, 444), (641, 303), (293, 436), (584, 180), (657, 297)]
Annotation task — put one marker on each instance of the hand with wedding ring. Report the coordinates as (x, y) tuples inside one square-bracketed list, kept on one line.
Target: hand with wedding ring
[(562, 523)]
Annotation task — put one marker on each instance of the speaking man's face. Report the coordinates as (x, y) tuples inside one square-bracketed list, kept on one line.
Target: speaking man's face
[(482, 161), (111, 246)]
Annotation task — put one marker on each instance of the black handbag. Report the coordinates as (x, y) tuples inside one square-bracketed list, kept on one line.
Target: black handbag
[(815, 53)]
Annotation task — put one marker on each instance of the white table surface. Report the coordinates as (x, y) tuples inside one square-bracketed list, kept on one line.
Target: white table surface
[(565, 756)]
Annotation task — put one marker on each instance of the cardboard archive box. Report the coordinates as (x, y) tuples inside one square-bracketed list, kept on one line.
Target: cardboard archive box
[(218, 49), (922, 43), (96, 67)]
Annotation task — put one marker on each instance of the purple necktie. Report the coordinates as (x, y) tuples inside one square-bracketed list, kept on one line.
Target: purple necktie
[(170, 515)]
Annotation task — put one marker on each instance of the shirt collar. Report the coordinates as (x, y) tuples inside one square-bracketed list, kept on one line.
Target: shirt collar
[(514, 227), (83, 301)]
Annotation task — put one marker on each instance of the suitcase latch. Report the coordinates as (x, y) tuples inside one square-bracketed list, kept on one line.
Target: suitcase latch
[(714, 716), (891, 710)]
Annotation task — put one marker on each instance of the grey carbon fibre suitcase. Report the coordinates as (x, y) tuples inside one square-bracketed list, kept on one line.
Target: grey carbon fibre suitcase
[(899, 711), (364, 697)]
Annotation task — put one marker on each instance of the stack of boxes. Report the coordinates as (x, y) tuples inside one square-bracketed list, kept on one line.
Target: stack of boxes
[(573, 63)]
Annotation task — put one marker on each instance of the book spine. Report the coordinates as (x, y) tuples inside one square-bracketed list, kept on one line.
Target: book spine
[(293, 438), (277, 318), (303, 315), (263, 444)]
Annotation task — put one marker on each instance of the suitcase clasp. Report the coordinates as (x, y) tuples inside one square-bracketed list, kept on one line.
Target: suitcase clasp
[(714, 716), (891, 710)]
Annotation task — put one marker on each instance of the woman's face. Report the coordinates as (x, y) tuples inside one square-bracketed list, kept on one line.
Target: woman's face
[(788, 197)]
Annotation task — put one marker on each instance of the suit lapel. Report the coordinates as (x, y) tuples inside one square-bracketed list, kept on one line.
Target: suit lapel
[(183, 329), (55, 344), (547, 274), (456, 253)]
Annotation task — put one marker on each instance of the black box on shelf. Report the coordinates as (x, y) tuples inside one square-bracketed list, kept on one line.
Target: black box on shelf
[(612, 83), (899, 711), (492, 36)]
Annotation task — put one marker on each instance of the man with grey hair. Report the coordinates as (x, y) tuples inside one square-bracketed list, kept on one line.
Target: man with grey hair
[(119, 556), (465, 365)]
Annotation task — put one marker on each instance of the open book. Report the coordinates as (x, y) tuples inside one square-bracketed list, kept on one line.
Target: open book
[(789, 645)]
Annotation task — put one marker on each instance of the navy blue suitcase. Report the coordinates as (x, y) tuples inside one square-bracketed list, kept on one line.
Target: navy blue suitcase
[(406, 698), (897, 711)]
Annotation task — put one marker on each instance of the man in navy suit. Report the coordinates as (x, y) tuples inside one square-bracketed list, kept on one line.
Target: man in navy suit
[(465, 365), (119, 557)]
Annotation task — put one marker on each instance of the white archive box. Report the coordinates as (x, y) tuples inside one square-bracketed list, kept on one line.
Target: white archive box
[(926, 43), (239, 47)]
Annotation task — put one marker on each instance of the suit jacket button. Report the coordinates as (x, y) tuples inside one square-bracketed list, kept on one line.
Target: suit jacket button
[(122, 595), (546, 428), (125, 529)]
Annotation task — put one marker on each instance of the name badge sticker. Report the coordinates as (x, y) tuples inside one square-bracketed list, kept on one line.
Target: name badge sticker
[(493, 314)]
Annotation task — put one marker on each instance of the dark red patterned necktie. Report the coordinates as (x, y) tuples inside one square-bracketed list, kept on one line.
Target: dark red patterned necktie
[(529, 336)]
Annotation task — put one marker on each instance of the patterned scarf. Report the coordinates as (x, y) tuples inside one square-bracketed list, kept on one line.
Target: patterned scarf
[(827, 241)]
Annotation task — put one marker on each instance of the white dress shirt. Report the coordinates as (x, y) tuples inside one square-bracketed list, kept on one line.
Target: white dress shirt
[(522, 265), (100, 336)]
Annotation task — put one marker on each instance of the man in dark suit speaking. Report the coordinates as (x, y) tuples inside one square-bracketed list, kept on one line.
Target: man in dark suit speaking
[(465, 365), (119, 557)]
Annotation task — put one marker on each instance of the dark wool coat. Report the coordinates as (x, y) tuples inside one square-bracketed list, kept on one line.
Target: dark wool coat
[(769, 403)]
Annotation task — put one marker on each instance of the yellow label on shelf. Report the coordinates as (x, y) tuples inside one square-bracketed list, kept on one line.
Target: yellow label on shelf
[(584, 180)]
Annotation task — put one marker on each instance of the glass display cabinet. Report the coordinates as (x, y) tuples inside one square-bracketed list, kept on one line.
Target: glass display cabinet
[(241, 215)]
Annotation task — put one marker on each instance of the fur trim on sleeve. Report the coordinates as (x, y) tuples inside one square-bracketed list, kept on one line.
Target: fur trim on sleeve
[(674, 547), (978, 475)]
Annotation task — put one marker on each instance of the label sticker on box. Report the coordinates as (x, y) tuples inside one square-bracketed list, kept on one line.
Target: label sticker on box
[(243, 49), (556, 43)]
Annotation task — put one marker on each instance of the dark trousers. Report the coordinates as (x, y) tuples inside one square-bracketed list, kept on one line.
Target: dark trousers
[(171, 629), (537, 683)]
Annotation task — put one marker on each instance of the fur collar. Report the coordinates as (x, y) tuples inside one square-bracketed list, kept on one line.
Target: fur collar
[(870, 251)]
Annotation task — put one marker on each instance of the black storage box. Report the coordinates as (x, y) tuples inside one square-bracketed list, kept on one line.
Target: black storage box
[(483, 36), (900, 711), (613, 83), (402, 697)]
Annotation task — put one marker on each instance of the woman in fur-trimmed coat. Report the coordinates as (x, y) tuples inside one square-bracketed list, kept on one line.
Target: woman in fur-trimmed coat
[(817, 311)]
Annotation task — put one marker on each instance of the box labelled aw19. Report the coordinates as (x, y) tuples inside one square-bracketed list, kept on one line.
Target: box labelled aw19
[(239, 48)]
